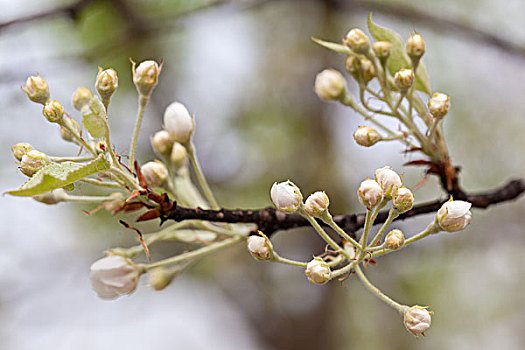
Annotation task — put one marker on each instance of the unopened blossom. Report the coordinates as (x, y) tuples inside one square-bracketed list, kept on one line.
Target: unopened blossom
[(178, 122), (316, 204), (454, 215), (259, 247), (439, 105), (162, 143), (357, 41), (318, 271), (404, 79), (81, 98), (155, 173), (389, 181), (146, 76), (370, 194), (20, 149), (330, 85), (415, 47), (286, 196), (36, 89), (395, 239), (366, 136), (403, 199), (417, 320), (114, 276), (32, 162)]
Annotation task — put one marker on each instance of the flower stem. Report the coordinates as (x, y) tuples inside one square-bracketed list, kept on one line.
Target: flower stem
[(200, 175), (143, 101), (329, 220), (277, 258), (377, 292), (392, 214)]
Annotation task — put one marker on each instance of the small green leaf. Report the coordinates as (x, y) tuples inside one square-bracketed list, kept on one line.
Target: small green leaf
[(58, 175), (334, 47), (95, 119)]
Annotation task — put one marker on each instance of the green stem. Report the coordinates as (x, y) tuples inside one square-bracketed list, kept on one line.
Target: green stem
[(78, 137), (329, 220), (377, 292), (100, 183), (200, 175), (392, 214), (277, 258), (87, 199), (71, 159), (143, 101)]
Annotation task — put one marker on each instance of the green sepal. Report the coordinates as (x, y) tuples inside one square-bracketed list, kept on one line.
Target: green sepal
[(334, 47)]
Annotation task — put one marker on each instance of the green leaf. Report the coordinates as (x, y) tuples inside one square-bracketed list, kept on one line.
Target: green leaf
[(95, 119), (58, 175), (398, 57), (334, 47)]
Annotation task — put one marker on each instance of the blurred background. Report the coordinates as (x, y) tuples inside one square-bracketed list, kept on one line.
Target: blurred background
[(246, 69)]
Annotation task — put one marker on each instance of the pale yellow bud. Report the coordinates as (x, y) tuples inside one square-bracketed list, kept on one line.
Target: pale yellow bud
[(145, 76), (330, 85), (403, 199), (439, 105), (318, 271), (36, 89), (81, 98), (106, 83), (404, 79), (53, 111), (20, 149), (382, 49), (417, 320), (316, 204), (415, 46), (394, 239), (366, 136), (357, 41)]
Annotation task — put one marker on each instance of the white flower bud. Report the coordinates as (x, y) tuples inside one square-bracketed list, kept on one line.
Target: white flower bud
[(349, 248), (366, 136), (106, 83), (51, 197), (370, 194), (53, 111), (155, 173), (360, 68), (145, 76), (439, 105), (36, 89), (114, 276), (417, 320), (260, 247), (330, 85), (81, 98), (179, 155), (403, 199), (318, 271), (32, 162), (74, 125), (454, 215), (389, 181), (316, 204), (357, 41), (404, 79), (286, 196), (382, 49), (178, 122), (415, 47), (20, 149), (162, 143), (394, 239)]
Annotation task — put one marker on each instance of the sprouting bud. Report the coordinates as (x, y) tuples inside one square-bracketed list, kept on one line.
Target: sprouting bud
[(403, 199), (286, 196), (357, 41), (65, 134), (146, 76), (382, 49), (360, 68), (454, 215), (404, 79), (389, 181), (330, 85), (53, 111), (394, 239), (417, 320), (155, 173), (316, 204), (162, 277), (36, 89), (415, 47), (370, 194), (318, 271), (32, 162), (260, 247), (179, 155), (81, 98), (20, 149), (366, 136), (439, 105), (162, 143), (51, 197), (114, 276), (106, 83), (178, 122)]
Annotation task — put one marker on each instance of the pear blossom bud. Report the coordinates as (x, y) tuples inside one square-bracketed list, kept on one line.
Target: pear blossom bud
[(370, 194), (260, 247), (382, 49), (145, 76), (36, 89), (415, 47), (318, 271), (417, 320), (20, 149), (32, 162), (106, 83), (114, 276), (454, 215), (74, 125), (51, 197), (162, 143), (349, 248), (439, 105), (162, 277), (330, 85), (316, 204), (179, 155), (403, 199), (81, 98), (53, 111), (155, 173), (357, 41), (404, 79), (286, 196), (394, 239), (360, 68), (178, 122), (366, 136), (389, 181)]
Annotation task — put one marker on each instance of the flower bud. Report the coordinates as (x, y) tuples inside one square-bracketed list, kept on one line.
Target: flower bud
[(316, 204), (286, 196), (36, 89), (162, 143), (330, 85), (81, 98), (106, 83), (114, 276), (454, 215), (74, 125), (349, 248), (415, 47), (382, 49), (394, 239), (318, 271), (260, 247), (389, 181), (370, 194), (403, 200), (146, 76), (357, 41), (360, 68), (179, 155), (51, 197), (366, 136), (53, 111), (32, 162), (439, 105), (20, 149), (178, 122), (417, 320), (155, 173), (404, 79), (162, 277)]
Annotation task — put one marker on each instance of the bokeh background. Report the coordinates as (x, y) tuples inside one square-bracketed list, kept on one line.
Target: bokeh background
[(246, 69)]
